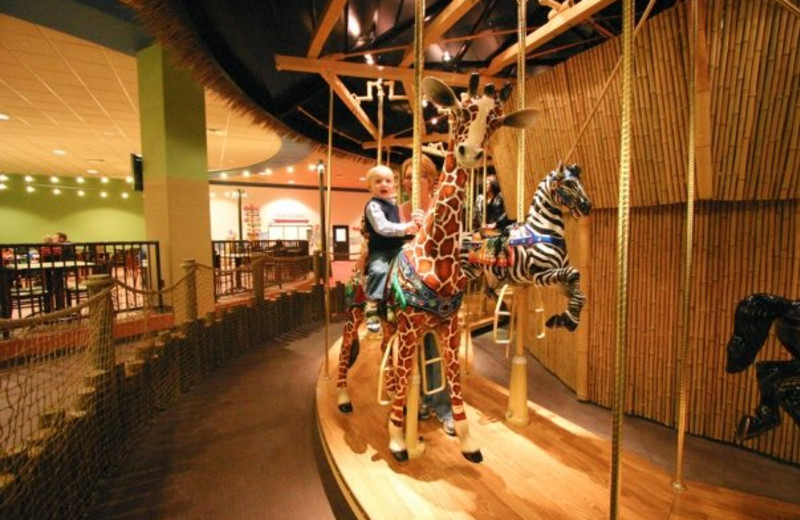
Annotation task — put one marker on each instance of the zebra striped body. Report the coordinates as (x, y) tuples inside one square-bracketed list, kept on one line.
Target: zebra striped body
[(544, 260)]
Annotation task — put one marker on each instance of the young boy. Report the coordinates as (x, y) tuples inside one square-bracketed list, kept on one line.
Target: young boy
[(386, 236)]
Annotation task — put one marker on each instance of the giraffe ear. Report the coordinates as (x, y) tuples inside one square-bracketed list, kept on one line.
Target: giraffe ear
[(521, 118), (438, 92)]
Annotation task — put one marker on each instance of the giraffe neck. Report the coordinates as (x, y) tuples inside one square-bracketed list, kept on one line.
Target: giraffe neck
[(435, 249), (545, 215)]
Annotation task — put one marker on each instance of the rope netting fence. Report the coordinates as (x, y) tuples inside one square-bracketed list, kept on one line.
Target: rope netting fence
[(78, 387)]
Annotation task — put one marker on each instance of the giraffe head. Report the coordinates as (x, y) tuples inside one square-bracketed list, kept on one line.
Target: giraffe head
[(475, 116)]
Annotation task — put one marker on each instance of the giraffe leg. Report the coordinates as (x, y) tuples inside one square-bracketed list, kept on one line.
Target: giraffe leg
[(390, 382), (407, 342), (355, 315), (449, 334)]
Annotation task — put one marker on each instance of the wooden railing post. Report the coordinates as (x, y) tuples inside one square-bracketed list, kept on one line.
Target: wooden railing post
[(190, 305), (258, 277), (101, 316)]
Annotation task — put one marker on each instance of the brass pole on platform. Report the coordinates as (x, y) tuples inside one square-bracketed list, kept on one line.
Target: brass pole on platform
[(683, 358), (517, 412), (324, 216), (623, 233), (415, 447)]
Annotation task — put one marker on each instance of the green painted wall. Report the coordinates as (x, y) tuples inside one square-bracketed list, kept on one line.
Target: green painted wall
[(27, 217)]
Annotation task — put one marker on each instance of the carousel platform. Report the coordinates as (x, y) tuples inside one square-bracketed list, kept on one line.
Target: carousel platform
[(550, 468)]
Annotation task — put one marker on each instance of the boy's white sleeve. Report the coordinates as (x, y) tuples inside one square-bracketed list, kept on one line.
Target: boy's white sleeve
[(381, 224)]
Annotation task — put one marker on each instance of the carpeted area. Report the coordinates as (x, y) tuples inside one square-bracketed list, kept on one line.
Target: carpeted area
[(243, 444)]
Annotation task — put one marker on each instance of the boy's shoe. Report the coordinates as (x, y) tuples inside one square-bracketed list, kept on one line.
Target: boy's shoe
[(449, 427), (424, 412), (374, 324)]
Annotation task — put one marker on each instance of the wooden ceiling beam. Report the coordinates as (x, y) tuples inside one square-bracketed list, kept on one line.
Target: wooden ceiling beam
[(362, 70), (349, 100), (407, 141), (559, 24), (440, 25), (329, 18)]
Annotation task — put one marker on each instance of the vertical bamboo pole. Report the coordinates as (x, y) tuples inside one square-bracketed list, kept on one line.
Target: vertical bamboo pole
[(413, 444), (683, 381), (622, 254), (517, 413)]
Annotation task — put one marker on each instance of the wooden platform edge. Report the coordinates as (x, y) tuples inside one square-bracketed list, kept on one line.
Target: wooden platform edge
[(349, 496)]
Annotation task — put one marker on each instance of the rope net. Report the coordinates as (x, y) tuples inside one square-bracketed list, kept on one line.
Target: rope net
[(79, 386)]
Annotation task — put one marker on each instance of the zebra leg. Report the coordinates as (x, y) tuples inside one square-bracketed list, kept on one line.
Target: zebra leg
[(355, 315), (451, 339), (570, 278)]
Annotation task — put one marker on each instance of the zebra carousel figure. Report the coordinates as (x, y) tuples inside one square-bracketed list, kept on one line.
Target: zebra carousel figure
[(778, 381), (535, 252)]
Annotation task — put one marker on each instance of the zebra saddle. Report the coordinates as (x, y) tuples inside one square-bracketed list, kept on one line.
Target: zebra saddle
[(491, 251)]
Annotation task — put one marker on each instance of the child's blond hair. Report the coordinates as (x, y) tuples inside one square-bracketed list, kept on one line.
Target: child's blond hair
[(380, 169)]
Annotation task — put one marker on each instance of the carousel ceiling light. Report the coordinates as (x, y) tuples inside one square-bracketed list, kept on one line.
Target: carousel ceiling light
[(290, 169), (60, 152), (369, 59), (4, 117), (268, 171), (246, 173), (91, 172), (223, 175), (446, 57), (129, 179)]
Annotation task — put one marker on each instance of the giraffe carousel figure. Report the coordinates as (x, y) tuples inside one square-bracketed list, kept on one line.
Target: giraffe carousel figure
[(427, 279)]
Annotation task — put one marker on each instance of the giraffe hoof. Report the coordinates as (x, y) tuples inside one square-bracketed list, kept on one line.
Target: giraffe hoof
[(474, 457), (400, 456), (346, 407)]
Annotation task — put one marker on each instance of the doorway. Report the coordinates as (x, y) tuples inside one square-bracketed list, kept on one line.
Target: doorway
[(341, 243)]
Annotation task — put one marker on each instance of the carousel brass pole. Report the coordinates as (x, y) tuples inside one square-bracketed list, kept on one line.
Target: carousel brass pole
[(517, 413), (324, 216), (683, 359), (415, 447), (380, 121), (623, 233)]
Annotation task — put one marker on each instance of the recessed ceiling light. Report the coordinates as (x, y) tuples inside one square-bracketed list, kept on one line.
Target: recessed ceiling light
[(56, 191), (79, 180), (3, 187), (268, 171), (290, 169), (369, 59), (104, 180), (129, 179), (30, 189), (246, 173), (4, 117), (124, 195), (60, 152), (103, 194), (54, 179), (223, 175), (93, 172), (3, 178), (28, 178), (81, 193)]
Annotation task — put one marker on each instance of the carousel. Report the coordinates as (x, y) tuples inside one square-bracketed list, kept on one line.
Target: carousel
[(665, 160)]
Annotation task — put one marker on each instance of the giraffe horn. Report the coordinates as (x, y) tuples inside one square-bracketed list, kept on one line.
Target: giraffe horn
[(473, 85)]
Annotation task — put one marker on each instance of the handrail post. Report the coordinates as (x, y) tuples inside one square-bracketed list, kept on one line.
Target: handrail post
[(101, 316), (190, 305), (258, 277)]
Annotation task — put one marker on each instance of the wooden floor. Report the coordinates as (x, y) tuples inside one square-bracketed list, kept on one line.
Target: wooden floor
[(548, 469)]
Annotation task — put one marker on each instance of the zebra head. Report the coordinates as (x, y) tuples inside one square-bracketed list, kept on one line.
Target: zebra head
[(567, 190)]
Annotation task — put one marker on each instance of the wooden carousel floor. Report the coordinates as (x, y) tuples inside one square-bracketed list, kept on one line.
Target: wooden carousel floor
[(550, 468)]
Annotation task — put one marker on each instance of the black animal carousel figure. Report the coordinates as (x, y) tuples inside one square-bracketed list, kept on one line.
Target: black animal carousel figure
[(778, 381)]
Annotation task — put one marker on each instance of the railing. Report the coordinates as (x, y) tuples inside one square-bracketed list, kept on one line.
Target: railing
[(37, 278), (81, 384), (284, 261)]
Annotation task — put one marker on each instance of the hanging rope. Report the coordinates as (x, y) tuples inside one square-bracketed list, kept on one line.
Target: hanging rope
[(623, 234), (683, 373), (607, 84)]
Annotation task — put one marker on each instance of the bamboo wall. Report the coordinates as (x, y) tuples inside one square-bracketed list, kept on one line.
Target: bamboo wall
[(747, 237)]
